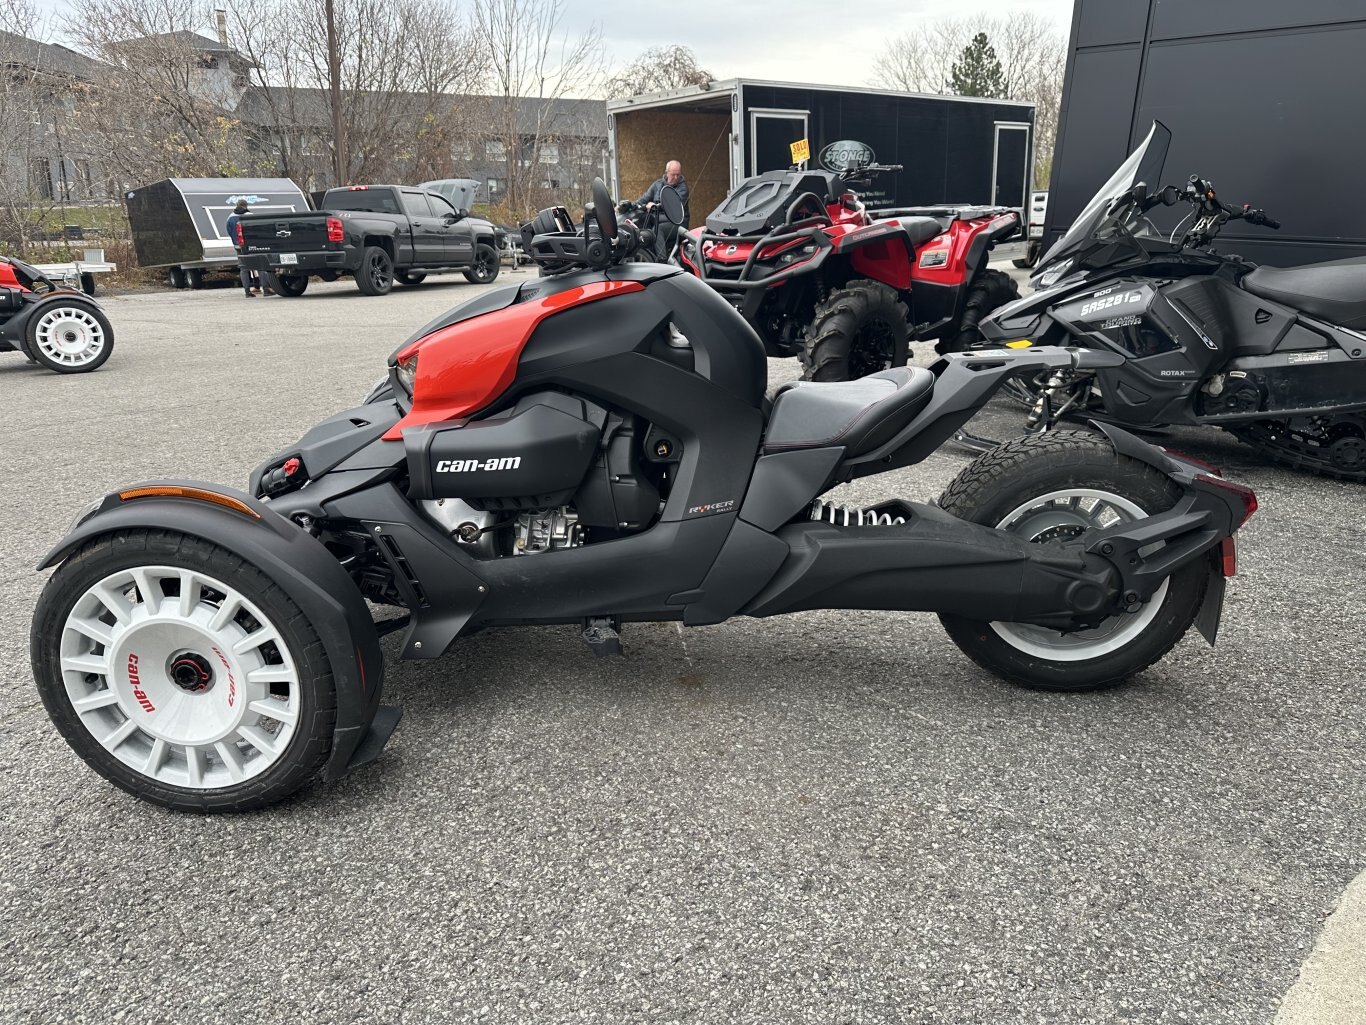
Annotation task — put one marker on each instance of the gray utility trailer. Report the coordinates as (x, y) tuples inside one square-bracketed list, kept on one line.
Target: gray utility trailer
[(956, 150), (181, 224)]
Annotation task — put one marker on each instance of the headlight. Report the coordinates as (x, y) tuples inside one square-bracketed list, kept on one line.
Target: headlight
[(1049, 276), (407, 373)]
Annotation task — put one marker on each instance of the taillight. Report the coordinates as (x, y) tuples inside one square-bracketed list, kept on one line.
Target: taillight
[(1246, 495), (334, 230), (237, 233)]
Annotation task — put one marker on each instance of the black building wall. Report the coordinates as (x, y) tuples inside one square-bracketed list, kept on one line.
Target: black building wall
[(945, 145), (1264, 97)]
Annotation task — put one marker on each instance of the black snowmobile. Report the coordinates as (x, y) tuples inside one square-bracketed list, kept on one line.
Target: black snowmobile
[(1184, 335)]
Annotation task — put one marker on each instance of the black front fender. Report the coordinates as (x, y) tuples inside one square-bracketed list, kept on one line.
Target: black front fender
[(301, 566)]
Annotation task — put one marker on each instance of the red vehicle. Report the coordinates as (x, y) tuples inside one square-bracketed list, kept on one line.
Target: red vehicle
[(846, 288), (60, 328)]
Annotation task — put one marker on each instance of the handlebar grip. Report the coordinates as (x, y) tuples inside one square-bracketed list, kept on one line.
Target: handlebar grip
[(1271, 222)]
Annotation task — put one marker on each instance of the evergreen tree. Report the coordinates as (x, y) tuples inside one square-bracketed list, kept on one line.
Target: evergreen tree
[(977, 72)]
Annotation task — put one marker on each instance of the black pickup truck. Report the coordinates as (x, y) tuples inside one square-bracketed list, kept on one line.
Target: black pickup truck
[(375, 233)]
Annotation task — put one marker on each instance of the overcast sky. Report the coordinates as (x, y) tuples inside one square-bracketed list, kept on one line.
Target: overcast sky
[(787, 40)]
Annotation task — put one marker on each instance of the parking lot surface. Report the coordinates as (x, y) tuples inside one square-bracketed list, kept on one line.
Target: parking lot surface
[(829, 817)]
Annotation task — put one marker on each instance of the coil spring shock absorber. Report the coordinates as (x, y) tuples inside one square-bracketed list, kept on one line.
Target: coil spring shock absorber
[(1049, 404), (843, 516)]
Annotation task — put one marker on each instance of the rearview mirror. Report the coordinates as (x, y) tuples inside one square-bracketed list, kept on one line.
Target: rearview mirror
[(672, 204)]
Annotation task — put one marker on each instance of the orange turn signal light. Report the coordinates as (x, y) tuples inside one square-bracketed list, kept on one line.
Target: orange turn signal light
[(195, 494)]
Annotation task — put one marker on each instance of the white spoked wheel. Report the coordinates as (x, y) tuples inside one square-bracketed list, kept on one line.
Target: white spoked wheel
[(1055, 517), (179, 677), (69, 337)]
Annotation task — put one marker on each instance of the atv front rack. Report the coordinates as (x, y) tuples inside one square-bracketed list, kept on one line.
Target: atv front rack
[(752, 276)]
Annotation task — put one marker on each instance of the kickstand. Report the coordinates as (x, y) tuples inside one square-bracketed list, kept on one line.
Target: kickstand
[(601, 634), (973, 442)]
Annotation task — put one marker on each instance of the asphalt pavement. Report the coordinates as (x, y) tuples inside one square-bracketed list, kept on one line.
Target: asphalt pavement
[(827, 818)]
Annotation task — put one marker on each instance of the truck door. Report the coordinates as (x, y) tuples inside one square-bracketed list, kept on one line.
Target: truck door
[(459, 237), (771, 135), (429, 233), (1010, 165)]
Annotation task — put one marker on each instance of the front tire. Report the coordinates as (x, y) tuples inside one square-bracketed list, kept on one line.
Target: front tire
[(411, 277), (990, 290), (182, 673), (859, 330), (69, 337), (1054, 486), (485, 268), (376, 273)]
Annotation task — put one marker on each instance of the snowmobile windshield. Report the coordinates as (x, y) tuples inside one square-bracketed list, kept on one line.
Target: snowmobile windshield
[(1099, 234)]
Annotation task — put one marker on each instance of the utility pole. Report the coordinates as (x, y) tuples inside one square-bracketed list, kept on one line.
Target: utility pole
[(341, 162)]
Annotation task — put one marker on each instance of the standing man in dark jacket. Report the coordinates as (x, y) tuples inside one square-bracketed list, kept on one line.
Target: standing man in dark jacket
[(248, 284), (673, 177)]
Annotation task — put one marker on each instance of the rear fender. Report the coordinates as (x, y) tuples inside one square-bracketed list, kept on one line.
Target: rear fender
[(301, 566)]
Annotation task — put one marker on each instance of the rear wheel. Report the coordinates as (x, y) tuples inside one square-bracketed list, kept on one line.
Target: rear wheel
[(291, 285), (182, 673), (410, 277), (175, 276), (990, 290), (1052, 487), (69, 337), (859, 330), (194, 277), (376, 273), (485, 267)]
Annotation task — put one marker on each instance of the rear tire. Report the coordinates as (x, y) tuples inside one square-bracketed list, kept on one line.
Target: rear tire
[(290, 285), (859, 330), (194, 278), (990, 290), (375, 276), (170, 699), (1053, 486)]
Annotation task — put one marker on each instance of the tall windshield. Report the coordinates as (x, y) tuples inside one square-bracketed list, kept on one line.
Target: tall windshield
[(1097, 223)]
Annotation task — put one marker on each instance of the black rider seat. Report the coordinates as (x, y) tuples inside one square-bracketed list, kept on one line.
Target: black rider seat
[(921, 229), (1335, 291), (858, 415)]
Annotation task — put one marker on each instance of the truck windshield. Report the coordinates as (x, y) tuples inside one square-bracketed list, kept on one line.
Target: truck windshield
[(372, 201)]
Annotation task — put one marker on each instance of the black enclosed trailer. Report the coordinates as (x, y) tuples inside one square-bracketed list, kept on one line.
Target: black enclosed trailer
[(955, 149), (1263, 97), (182, 223)]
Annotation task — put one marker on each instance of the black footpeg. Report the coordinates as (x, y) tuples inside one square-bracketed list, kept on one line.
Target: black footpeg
[(600, 634)]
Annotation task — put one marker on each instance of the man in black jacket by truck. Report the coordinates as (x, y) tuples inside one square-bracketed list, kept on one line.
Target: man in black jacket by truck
[(673, 177)]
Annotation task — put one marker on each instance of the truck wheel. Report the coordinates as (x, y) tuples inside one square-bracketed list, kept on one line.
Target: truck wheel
[(411, 277), (1054, 486), (175, 276), (69, 337), (990, 290), (292, 285), (485, 267), (376, 273), (194, 277), (859, 330), (182, 673), (1031, 257)]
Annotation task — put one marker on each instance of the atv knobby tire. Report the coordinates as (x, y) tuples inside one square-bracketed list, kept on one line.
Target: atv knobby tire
[(1070, 465), (990, 290), (859, 330)]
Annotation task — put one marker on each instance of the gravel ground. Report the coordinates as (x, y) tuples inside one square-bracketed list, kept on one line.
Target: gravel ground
[(825, 818)]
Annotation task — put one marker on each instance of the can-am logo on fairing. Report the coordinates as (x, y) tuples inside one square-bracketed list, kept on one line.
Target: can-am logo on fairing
[(467, 465), (847, 153)]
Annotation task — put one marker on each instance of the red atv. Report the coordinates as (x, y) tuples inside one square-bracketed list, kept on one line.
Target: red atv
[(60, 328), (846, 288)]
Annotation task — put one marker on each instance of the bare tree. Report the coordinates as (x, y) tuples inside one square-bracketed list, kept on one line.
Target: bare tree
[(535, 72), (163, 105), (657, 69), (1031, 51)]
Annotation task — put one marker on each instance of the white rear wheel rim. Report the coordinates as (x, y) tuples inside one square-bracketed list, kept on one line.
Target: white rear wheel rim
[(69, 335), (1062, 514), (180, 677)]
